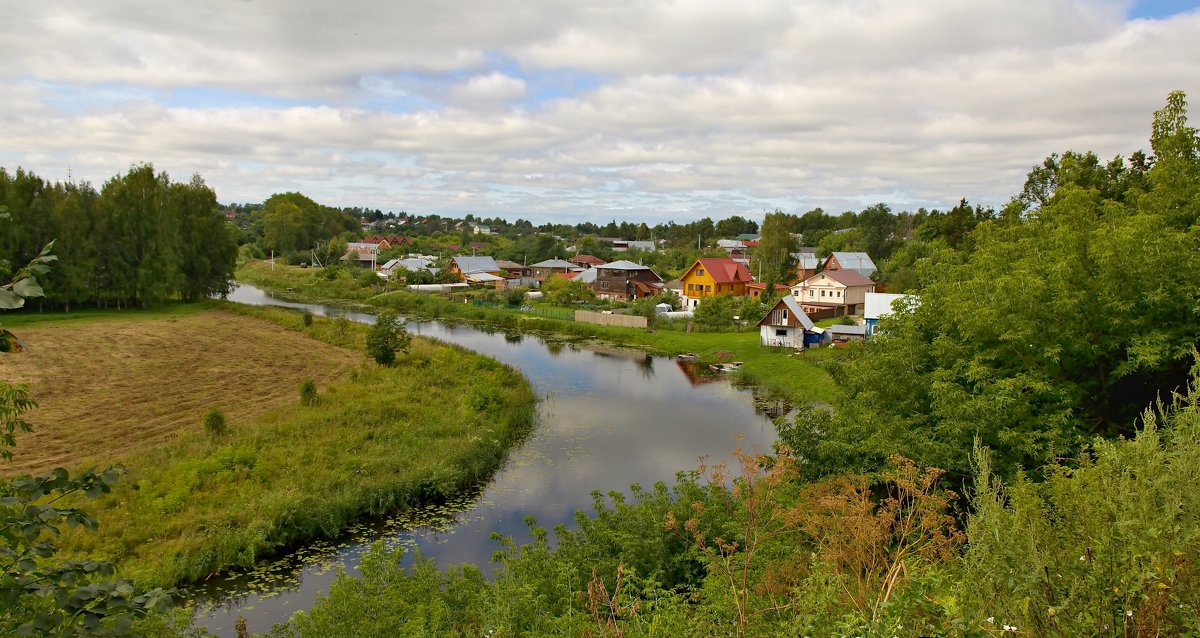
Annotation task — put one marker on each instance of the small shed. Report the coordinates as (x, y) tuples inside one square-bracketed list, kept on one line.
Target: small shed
[(847, 333), (784, 325), (662, 308)]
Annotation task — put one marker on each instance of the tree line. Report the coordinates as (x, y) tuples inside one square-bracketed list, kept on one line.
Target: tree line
[(140, 239)]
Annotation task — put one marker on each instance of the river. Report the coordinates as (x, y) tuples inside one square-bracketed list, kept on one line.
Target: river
[(604, 421)]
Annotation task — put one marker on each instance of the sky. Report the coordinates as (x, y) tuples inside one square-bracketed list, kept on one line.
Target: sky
[(589, 110)]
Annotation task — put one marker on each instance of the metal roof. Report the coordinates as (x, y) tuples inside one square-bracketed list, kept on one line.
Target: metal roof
[(469, 265), (554, 263), (623, 264), (878, 304), (860, 262)]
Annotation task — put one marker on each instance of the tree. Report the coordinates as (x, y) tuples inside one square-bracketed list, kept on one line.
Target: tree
[(387, 337), (1056, 327), (40, 596), (774, 259), (561, 291)]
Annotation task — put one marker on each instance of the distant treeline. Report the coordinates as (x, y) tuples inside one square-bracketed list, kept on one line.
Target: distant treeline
[(140, 239)]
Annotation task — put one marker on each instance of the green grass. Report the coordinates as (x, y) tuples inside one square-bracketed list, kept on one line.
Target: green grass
[(167, 310), (384, 439), (799, 376)]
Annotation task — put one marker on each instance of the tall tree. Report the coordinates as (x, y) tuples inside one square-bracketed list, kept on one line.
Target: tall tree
[(773, 259)]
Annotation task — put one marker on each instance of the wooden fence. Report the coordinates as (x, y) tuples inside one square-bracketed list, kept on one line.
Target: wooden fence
[(600, 318)]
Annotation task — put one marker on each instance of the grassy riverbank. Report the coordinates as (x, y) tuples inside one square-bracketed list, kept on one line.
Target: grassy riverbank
[(376, 440), (799, 376)]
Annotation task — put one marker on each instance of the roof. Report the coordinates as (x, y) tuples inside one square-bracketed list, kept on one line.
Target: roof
[(844, 277), (586, 276), (725, 270), (878, 304), (469, 265), (860, 262), (763, 285), (478, 277), (674, 284), (807, 261), (790, 303), (749, 236), (414, 263), (554, 263), (505, 264), (586, 259), (730, 243), (623, 264), (839, 329), (362, 246)]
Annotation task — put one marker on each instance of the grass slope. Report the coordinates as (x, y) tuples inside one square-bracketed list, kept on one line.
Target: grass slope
[(379, 439)]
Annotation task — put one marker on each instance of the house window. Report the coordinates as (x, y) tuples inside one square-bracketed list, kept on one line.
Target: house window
[(839, 294), (785, 317), (707, 288), (822, 293), (691, 287), (604, 285), (811, 293), (781, 332), (699, 272)]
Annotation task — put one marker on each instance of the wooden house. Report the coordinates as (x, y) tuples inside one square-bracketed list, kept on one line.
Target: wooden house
[(711, 276), (758, 290), (785, 325), (586, 261), (551, 267), (624, 281)]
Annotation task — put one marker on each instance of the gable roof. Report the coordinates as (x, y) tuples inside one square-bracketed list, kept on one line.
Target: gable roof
[(505, 264), (789, 302), (860, 262), (724, 270), (586, 259), (845, 277), (554, 263), (469, 265), (622, 264)]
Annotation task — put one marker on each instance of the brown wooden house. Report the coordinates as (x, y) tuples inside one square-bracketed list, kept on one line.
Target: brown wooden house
[(624, 280)]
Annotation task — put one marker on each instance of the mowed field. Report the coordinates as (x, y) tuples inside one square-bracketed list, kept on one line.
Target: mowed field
[(111, 385)]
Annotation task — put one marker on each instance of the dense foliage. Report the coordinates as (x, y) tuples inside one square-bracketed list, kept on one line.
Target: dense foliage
[(1064, 321), (141, 239)]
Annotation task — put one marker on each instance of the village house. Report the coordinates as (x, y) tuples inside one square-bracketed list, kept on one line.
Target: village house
[(551, 267), (880, 304), (807, 263), (712, 276), (586, 261), (362, 253), (833, 293), (736, 249), (625, 281), (394, 266), (786, 325), (758, 289), (858, 262), (468, 268)]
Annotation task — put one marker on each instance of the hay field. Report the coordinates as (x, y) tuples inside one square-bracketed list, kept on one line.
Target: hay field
[(109, 386)]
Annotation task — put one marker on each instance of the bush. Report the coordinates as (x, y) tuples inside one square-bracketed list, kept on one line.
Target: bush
[(308, 319), (214, 423), (308, 392), (387, 337)]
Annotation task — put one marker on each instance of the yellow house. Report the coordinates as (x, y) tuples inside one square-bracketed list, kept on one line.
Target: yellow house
[(713, 276)]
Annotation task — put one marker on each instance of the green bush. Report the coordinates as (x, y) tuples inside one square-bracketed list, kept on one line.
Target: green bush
[(387, 337), (308, 392), (308, 319), (214, 423)]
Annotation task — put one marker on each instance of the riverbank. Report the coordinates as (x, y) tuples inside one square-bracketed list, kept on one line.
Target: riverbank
[(375, 441), (797, 376)]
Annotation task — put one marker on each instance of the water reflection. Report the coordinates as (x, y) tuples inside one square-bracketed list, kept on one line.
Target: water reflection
[(608, 418)]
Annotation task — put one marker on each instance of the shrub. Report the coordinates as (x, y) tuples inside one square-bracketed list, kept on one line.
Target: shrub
[(214, 423), (308, 319), (387, 337), (308, 392)]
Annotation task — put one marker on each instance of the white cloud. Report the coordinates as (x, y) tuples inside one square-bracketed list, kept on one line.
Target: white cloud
[(697, 108)]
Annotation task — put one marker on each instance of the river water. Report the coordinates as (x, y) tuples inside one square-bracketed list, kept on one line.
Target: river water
[(604, 421)]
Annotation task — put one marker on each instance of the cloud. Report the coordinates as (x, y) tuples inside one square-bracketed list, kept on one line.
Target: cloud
[(681, 108)]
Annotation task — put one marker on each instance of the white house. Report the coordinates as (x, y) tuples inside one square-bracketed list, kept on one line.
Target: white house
[(881, 304), (844, 291), (784, 325)]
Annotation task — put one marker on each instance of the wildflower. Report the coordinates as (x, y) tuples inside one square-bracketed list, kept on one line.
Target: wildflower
[(991, 619)]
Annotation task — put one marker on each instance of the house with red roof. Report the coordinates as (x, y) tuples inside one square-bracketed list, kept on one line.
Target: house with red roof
[(712, 276)]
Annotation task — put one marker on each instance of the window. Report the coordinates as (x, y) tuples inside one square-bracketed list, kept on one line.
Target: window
[(781, 332), (691, 287), (811, 293), (699, 272), (839, 294), (604, 285), (822, 293), (785, 317), (707, 288)]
